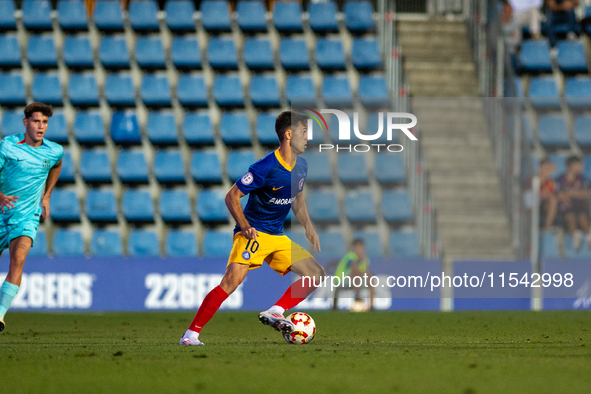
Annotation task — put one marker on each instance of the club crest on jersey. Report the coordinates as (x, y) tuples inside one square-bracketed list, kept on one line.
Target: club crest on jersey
[(246, 255), (302, 183), (247, 178), (46, 163)]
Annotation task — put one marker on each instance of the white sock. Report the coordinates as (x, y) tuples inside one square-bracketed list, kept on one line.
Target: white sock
[(276, 309), (191, 334)]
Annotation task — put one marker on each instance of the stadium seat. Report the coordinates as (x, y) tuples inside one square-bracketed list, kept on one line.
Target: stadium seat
[(125, 129), (89, 128), (329, 54), (197, 129), (535, 56), (7, 15), (360, 207), (323, 17), (143, 16), (293, 54), (113, 53), (161, 129), (138, 207), (149, 52), (323, 206), (206, 167), (404, 245), (67, 173), (10, 51), (77, 52), (337, 92), (389, 169), (155, 91), (359, 17), (238, 163), (300, 89), (258, 54), (571, 57), (71, 15), (319, 168), (215, 15), (287, 17), (143, 243), (519, 91), (108, 16), (586, 167), (169, 167), (95, 166), (221, 54), (106, 243), (583, 253), (57, 128), (39, 247), (175, 207), (577, 93), (132, 167), (185, 53), (251, 16), (366, 55), (119, 91), (101, 206), (373, 91), (217, 243), (83, 90), (179, 16), (46, 88), (41, 52), (582, 130), (543, 93), (333, 244), (12, 90), (191, 91), (181, 243), (227, 91), (235, 129), (397, 206), (265, 128), (12, 123), (352, 168), (211, 206), (264, 91), (64, 206), (553, 131), (372, 242), (68, 243), (37, 15)]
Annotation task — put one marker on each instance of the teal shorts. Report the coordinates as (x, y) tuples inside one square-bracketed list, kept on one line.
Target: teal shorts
[(11, 231)]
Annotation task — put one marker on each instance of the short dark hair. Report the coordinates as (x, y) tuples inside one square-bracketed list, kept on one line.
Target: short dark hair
[(358, 241), (545, 160), (286, 119), (572, 159), (45, 109)]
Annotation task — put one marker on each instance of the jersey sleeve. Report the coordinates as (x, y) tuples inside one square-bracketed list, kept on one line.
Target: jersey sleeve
[(60, 155), (2, 156), (255, 177)]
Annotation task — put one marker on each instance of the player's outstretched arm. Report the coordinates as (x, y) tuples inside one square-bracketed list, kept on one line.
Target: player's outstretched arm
[(52, 177), (301, 212), (233, 203)]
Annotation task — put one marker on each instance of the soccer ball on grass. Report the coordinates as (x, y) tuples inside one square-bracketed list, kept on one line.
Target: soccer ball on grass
[(304, 330)]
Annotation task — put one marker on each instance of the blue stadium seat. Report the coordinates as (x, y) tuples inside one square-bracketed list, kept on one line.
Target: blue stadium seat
[(149, 52), (7, 15), (211, 206), (169, 167), (175, 206), (235, 129), (36, 15), (583, 253), (47, 89), (337, 92), (108, 16), (586, 167), (106, 243), (10, 51), (333, 245), (251, 16), (206, 167), (77, 52), (95, 166), (265, 128), (323, 17), (68, 243), (301, 88), (582, 131), (352, 168), (64, 206), (12, 90), (41, 51), (323, 206), (319, 168), (366, 55), (125, 129), (71, 15), (83, 90), (559, 160), (132, 167), (373, 91), (389, 168), (287, 17), (179, 16), (577, 93), (197, 129), (221, 54), (404, 245), (67, 173), (543, 93), (535, 56), (39, 247), (138, 207), (228, 92), (89, 128), (185, 52), (216, 243), (215, 16), (329, 54), (119, 90), (397, 206), (12, 123), (191, 91), (359, 17), (143, 243), (294, 54), (113, 53), (238, 163), (571, 57), (258, 54), (101, 206), (519, 91), (372, 241), (553, 131), (155, 91), (57, 128), (161, 128), (181, 243), (143, 16), (264, 91), (360, 207)]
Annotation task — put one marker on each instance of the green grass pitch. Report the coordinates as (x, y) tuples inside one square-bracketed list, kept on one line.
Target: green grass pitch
[(375, 352)]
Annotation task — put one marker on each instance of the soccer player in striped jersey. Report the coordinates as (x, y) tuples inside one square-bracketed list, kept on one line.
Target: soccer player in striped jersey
[(29, 168), (274, 185)]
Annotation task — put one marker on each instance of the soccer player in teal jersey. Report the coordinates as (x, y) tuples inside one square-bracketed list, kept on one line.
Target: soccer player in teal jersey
[(29, 168)]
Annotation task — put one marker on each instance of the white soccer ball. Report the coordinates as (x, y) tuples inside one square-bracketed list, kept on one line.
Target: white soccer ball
[(305, 328)]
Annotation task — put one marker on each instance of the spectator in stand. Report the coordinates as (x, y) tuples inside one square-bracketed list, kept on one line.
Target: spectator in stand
[(548, 199), (519, 13), (355, 264), (561, 12)]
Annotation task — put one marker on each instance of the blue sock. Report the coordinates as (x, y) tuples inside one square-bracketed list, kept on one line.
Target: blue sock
[(7, 293)]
